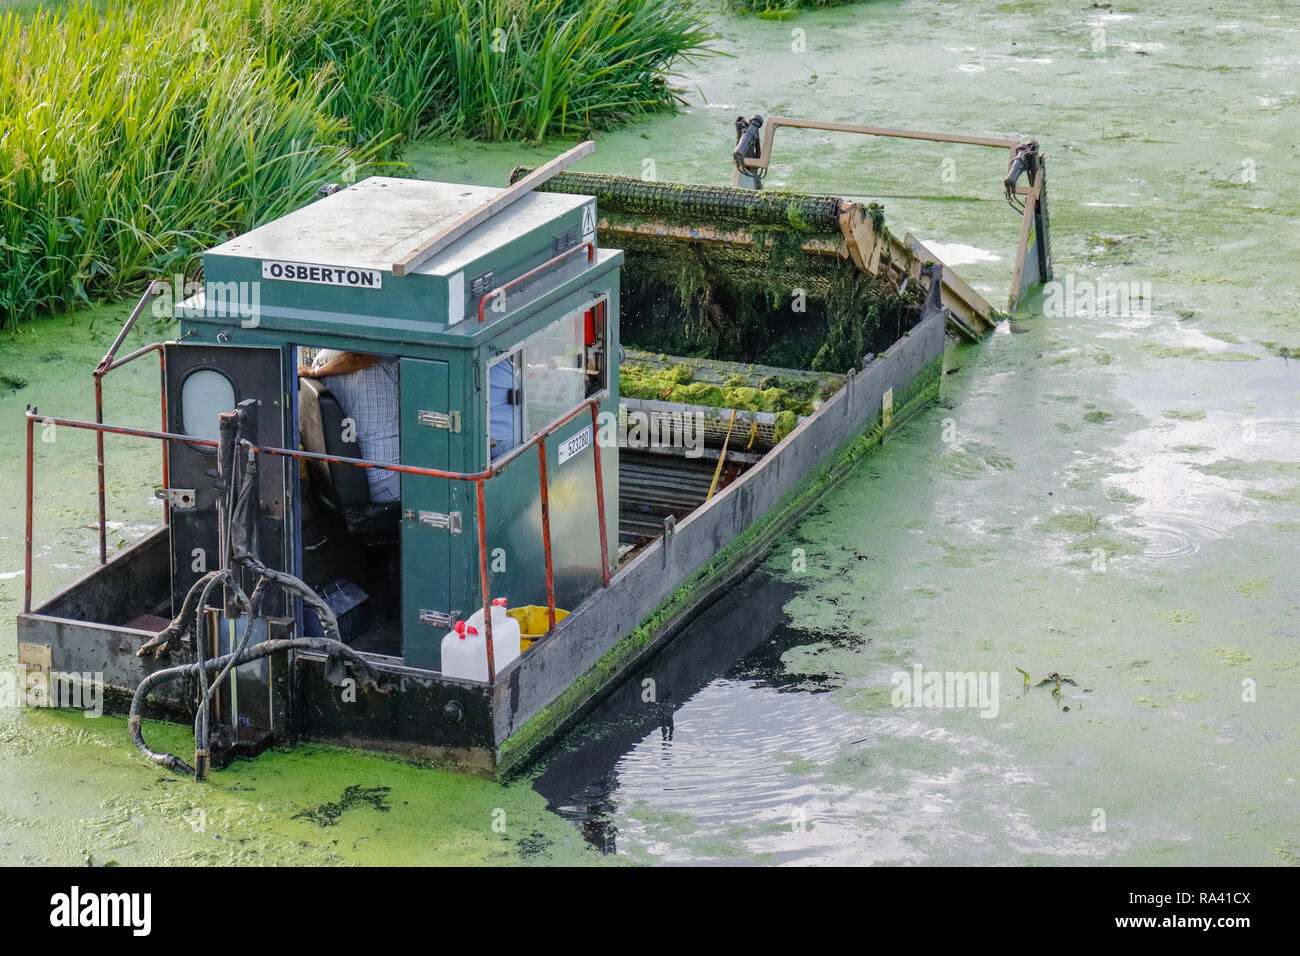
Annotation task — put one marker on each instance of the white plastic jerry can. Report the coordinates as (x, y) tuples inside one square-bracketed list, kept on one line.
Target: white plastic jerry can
[(464, 649), (464, 653), (505, 633)]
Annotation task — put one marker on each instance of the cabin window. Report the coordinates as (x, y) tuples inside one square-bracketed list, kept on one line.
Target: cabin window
[(205, 393), (505, 404), (593, 337), (554, 376), (550, 374)]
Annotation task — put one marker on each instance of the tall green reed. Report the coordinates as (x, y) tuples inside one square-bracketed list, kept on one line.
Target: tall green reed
[(130, 142), (134, 135)]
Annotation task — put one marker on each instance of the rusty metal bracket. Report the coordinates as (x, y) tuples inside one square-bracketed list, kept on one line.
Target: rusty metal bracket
[(446, 521)]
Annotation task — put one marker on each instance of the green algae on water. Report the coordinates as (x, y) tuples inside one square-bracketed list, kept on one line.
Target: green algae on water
[(313, 805)]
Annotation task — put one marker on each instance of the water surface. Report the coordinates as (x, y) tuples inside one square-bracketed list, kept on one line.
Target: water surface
[(1112, 498)]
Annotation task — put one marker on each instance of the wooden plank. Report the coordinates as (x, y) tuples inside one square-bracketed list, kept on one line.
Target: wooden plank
[(435, 244), (860, 238), (956, 294)]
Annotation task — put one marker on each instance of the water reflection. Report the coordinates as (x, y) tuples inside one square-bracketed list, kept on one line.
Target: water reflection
[(707, 726)]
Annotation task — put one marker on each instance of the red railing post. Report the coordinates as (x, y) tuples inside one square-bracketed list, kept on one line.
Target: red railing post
[(546, 532), (27, 561), (600, 495), (106, 365), (485, 581), (166, 446), (99, 468)]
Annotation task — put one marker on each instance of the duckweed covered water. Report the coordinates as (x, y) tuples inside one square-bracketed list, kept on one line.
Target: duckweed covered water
[(73, 790), (1109, 498), (1114, 499)]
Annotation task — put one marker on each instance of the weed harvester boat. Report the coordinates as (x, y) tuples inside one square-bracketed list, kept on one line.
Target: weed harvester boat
[(609, 397)]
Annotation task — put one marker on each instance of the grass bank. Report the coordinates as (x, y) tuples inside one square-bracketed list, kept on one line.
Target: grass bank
[(133, 136)]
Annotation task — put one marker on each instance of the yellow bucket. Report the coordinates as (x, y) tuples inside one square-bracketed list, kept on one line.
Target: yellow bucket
[(534, 623)]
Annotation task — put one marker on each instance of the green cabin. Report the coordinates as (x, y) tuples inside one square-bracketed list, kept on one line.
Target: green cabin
[(510, 328)]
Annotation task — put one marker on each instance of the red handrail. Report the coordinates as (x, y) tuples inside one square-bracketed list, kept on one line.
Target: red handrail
[(106, 365), (546, 532), (600, 498), (478, 478), (553, 261)]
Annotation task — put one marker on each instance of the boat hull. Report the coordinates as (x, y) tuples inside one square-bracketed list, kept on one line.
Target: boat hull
[(496, 728)]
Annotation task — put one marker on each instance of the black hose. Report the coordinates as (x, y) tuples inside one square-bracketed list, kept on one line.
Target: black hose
[(240, 538), (200, 655), (254, 604), (243, 530), (367, 677), (248, 633), (178, 627)]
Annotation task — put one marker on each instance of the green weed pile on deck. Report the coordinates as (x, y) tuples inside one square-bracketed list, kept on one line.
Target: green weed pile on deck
[(136, 135), (754, 292)]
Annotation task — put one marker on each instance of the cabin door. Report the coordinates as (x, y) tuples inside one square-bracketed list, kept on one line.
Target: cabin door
[(432, 518), (204, 381)]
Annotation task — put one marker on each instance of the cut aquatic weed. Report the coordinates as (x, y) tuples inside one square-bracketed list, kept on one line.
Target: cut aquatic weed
[(1055, 680), (767, 301)]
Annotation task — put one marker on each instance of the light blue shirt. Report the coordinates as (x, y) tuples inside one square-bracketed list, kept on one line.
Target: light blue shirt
[(370, 398), (505, 419)]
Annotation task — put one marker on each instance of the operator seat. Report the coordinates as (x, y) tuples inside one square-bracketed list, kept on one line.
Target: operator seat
[(344, 489)]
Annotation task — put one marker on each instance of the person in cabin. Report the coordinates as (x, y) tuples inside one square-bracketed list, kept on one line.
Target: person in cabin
[(366, 389)]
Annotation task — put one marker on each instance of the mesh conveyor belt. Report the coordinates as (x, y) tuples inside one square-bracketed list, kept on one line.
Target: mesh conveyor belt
[(690, 203)]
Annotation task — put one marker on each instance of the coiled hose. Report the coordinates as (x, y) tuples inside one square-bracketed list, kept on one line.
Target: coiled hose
[(240, 536), (225, 663)]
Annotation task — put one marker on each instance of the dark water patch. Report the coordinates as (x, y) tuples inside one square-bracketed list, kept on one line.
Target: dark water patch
[(533, 845), (731, 657), (328, 814)]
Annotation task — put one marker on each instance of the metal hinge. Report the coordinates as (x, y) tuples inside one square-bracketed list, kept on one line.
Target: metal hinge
[(436, 619), (447, 420), (182, 499), (437, 519)]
